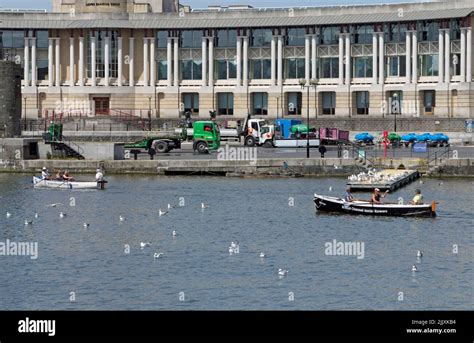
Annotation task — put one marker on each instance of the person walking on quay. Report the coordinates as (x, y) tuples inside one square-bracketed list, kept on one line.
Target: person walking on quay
[(322, 150)]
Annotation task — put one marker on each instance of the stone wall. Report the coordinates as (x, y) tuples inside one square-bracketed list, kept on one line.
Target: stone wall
[(10, 99)]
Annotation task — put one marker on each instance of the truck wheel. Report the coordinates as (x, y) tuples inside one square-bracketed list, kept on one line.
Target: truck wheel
[(201, 148), (161, 147), (268, 144), (250, 141)]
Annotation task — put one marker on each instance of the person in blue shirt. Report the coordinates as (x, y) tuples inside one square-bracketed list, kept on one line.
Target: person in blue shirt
[(348, 196)]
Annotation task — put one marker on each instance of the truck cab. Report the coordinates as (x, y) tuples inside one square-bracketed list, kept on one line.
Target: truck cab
[(206, 136), (258, 132)]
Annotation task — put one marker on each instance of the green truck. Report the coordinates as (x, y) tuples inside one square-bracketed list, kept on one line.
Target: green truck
[(206, 137)]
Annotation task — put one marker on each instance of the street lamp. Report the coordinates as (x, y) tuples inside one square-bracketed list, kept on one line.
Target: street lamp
[(149, 113), (303, 85), (278, 106), (395, 110), (24, 105)]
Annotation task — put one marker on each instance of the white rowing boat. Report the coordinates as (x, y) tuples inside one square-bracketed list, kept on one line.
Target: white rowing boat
[(39, 182)]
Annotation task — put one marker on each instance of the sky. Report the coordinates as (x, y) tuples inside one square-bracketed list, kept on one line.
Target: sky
[(46, 4)]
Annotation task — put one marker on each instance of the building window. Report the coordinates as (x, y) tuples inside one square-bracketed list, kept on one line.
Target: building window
[(428, 31), (328, 101), (362, 67), (226, 38), (42, 44), (429, 65), (225, 103), (396, 66), (261, 37), (429, 101), (295, 68), (191, 102), (362, 102), (100, 53), (161, 40), (261, 69), (363, 34), (329, 36), (191, 39), (455, 29), (396, 33), (226, 69), (162, 70), (296, 37), (260, 103), (191, 70), (295, 101), (12, 44), (329, 68)]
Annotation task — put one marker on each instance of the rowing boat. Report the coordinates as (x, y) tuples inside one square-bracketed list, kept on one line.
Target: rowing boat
[(337, 205), (39, 182)]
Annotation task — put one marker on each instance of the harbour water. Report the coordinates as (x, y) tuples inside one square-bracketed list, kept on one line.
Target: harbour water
[(90, 268)]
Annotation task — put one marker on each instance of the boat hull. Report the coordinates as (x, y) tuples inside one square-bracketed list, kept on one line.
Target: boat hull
[(336, 205), (52, 184)]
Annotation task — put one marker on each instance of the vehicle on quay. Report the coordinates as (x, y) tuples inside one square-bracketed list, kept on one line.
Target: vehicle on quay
[(337, 205)]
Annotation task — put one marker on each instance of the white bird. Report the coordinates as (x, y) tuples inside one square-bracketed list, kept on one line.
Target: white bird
[(9, 214), (144, 245), (421, 182), (62, 215), (204, 206), (36, 215), (54, 205), (86, 225), (122, 219), (175, 233), (170, 206), (330, 188), (28, 222), (441, 183), (231, 250), (157, 255), (162, 213), (419, 254), (282, 272), (414, 269), (234, 244), (262, 255), (337, 167)]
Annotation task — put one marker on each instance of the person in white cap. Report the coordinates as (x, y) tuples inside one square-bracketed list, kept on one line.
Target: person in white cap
[(377, 196), (99, 176), (45, 174)]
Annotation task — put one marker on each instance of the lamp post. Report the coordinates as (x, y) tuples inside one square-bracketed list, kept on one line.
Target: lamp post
[(395, 110), (303, 85), (149, 113), (24, 114), (278, 106)]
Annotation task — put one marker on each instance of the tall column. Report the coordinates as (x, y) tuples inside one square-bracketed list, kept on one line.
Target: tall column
[(119, 61), (441, 56), (50, 62), (245, 69), (280, 61), (375, 48), (447, 57), (71, 62), (204, 61), (211, 61), (381, 58), (239, 61), (145, 61), (469, 55), (58, 62), (131, 71), (169, 61), (463, 55), (107, 61), (93, 61), (341, 59), (314, 56), (81, 62), (415, 56), (273, 62), (307, 63), (348, 59), (408, 57), (34, 75), (26, 63), (176, 62), (152, 63)]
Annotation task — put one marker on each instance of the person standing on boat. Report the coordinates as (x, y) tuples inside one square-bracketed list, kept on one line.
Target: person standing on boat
[(418, 198), (349, 197), (377, 196), (45, 174), (99, 176)]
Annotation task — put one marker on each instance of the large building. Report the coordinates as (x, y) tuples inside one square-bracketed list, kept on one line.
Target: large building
[(114, 57)]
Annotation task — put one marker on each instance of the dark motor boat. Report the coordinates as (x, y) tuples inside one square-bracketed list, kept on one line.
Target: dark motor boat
[(337, 205)]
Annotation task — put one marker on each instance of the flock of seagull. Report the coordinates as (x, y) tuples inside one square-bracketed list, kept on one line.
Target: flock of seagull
[(374, 176), (234, 247)]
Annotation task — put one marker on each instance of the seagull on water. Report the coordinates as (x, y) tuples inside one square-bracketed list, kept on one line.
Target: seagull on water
[(36, 215), (62, 215), (330, 188), (122, 219), (414, 269), (175, 233), (28, 222), (54, 205), (170, 206), (162, 213), (86, 225), (9, 214), (419, 254), (262, 255), (204, 206), (282, 272), (158, 255), (144, 245)]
